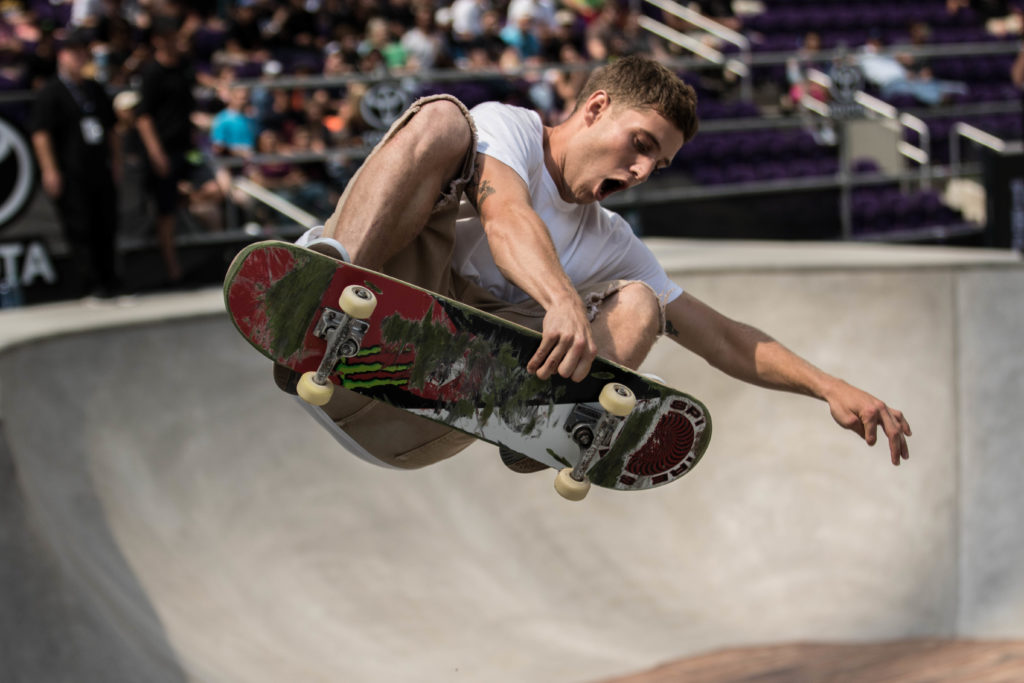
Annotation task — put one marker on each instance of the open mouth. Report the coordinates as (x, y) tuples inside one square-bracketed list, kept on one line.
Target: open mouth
[(608, 187)]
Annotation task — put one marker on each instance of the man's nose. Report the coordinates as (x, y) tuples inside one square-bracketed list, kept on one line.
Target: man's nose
[(642, 168)]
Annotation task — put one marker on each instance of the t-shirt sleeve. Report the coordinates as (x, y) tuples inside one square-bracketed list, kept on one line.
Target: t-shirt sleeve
[(44, 110), (505, 133), (635, 261)]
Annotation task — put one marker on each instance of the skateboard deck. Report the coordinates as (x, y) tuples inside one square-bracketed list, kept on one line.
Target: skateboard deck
[(453, 364)]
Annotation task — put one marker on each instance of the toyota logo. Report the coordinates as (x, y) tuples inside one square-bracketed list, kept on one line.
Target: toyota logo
[(383, 104), (17, 172)]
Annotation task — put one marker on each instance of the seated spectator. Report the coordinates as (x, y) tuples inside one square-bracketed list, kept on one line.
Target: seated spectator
[(272, 170), (615, 33), (521, 35), (379, 39), (721, 11), (806, 58), (543, 13), (244, 41), (484, 51), (232, 133), (587, 9), (566, 85), (467, 20), (893, 77)]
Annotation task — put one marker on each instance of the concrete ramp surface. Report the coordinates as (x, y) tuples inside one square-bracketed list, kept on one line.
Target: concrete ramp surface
[(167, 515)]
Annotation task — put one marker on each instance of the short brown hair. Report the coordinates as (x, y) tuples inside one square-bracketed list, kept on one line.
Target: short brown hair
[(642, 83)]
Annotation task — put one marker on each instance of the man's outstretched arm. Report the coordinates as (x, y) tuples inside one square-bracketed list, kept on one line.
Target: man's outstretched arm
[(752, 356)]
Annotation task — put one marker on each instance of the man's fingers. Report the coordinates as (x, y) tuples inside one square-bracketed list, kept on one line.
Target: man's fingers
[(537, 362), (871, 428), (570, 358), (579, 356), (897, 429)]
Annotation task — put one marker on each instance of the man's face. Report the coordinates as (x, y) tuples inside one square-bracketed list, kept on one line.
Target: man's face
[(72, 59), (620, 148)]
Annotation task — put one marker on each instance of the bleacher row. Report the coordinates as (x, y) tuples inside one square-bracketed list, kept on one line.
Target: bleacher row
[(782, 25), (771, 154)]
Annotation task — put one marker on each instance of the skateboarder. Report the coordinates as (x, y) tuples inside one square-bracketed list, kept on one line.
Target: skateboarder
[(529, 242)]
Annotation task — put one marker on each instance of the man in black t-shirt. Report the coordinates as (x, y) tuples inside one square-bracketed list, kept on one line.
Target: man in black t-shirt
[(165, 127), (72, 133)]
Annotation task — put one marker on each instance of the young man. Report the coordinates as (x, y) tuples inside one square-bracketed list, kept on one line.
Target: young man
[(531, 243), (73, 136)]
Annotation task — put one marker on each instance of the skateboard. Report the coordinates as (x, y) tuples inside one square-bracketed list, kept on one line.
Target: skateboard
[(345, 326)]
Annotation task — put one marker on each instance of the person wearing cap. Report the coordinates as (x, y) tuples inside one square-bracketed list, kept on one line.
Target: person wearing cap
[(71, 125)]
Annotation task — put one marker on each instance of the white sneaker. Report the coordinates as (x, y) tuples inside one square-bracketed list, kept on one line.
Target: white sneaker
[(314, 239), (329, 246)]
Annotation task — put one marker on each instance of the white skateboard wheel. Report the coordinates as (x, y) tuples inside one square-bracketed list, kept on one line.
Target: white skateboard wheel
[(313, 392), (617, 399), (569, 488), (357, 302)]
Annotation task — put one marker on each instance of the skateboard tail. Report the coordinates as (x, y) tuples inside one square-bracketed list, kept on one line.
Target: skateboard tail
[(267, 292), (655, 445)]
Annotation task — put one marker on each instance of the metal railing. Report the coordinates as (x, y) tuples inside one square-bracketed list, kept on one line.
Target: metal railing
[(740, 67), (918, 154), (276, 202), (973, 134)]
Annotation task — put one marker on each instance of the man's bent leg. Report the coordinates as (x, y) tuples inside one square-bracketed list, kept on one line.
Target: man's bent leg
[(397, 215), (393, 195), (627, 324)]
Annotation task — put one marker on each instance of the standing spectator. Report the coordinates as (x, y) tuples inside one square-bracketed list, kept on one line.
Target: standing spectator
[(425, 43), (166, 130), (72, 125)]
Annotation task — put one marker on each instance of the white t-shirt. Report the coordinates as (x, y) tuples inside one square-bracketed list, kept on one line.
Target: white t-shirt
[(594, 244)]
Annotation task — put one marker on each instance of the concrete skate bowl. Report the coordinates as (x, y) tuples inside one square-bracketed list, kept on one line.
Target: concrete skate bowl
[(167, 515)]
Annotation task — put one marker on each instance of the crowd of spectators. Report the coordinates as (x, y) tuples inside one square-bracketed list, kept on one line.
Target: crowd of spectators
[(260, 41)]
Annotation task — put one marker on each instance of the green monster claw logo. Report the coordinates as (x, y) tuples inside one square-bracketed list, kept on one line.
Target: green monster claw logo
[(347, 369)]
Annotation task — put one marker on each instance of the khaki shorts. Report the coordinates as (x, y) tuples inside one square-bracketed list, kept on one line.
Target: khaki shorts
[(394, 436)]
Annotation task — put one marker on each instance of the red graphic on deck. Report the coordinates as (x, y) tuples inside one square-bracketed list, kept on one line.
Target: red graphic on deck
[(668, 446)]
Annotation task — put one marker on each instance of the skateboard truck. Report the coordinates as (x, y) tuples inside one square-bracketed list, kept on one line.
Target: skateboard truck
[(343, 330), (592, 431)]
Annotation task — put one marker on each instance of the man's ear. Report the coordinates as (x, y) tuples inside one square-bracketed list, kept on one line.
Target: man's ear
[(596, 105)]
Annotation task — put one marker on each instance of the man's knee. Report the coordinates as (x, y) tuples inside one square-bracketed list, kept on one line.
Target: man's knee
[(644, 307), (628, 324), (442, 130)]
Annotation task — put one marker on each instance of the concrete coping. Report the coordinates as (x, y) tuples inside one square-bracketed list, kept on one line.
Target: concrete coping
[(693, 255), (23, 325), (19, 326)]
